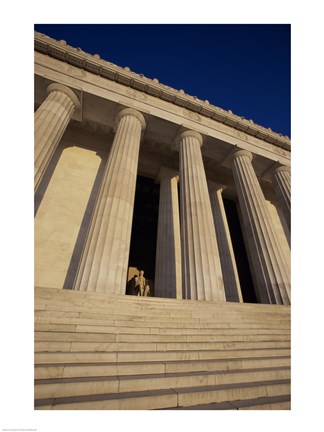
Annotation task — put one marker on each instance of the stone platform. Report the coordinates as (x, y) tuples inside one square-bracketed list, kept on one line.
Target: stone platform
[(112, 352)]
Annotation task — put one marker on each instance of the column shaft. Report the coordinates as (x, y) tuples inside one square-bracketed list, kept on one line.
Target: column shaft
[(271, 269), (201, 269), (51, 120), (168, 282), (230, 275), (282, 185), (105, 259)]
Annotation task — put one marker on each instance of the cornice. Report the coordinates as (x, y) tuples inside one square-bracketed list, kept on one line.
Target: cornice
[(94, 64)]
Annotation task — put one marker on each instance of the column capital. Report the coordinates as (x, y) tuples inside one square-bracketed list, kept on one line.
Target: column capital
[(66, 90), (281, 168), (190, 133), (132, 112), (185, 134), (239, 153), (165, 172), (212, 185)]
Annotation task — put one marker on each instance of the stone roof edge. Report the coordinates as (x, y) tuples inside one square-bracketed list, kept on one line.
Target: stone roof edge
[(123, 75)]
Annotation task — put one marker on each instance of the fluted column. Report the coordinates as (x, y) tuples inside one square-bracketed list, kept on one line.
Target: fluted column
[(168, 282), (51, 120), (230, 275), (105, 259), (270, 266), (201, 269), (282, 185)]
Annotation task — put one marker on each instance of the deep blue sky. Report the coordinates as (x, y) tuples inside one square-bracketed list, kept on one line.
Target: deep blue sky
[(244, 68)]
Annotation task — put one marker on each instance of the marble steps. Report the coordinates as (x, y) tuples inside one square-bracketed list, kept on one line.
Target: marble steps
[(169, 398), (114, 300), (92, 330), (267, 403), (186, 318), (218, 343), (237, 351), (147, 310), (149, 305), (190, 311), (59, 317), (153, 339), (43, 293), (95, 351), (220, 317), (77, 370), (69, 387)]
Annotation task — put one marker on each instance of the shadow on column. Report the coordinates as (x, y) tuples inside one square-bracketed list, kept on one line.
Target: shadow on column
[(84, 227), (42, 188), (242, 264)]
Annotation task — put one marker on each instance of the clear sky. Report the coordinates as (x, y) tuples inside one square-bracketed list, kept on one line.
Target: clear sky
[(243, 68)]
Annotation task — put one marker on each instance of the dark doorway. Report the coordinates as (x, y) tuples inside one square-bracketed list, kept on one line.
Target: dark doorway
[(243, 268), (144, 229)]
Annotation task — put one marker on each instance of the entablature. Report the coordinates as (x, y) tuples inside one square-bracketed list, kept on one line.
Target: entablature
[(102, 98), (83, 62)]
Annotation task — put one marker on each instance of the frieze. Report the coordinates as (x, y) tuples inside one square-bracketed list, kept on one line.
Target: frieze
[(242, 135), (191, 115), (137, 95), (62, 66), (75, 72), (280, 151), (50, 61)]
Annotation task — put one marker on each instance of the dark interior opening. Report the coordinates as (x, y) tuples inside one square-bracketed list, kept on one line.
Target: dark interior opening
[(144, 228), (144, 235), (242, 263)]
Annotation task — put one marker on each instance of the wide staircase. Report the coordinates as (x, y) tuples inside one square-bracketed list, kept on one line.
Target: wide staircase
[(109, 352)]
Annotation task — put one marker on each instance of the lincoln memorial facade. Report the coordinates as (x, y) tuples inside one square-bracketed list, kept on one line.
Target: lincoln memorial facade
[(133, 175)]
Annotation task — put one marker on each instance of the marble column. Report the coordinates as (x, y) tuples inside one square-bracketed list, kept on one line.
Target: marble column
[(230, 275), (282, 185), (51, 120), (168, 282), (201, 269), (270, 266), (104, 263)]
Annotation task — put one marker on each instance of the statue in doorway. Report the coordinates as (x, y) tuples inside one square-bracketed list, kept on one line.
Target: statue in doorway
[(141, 285)]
